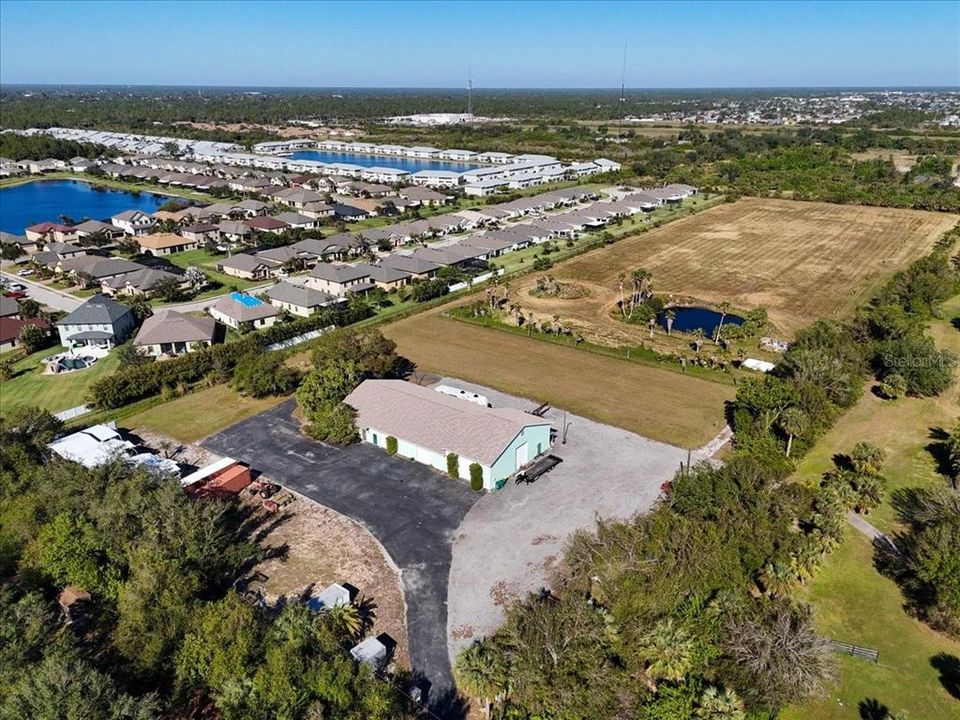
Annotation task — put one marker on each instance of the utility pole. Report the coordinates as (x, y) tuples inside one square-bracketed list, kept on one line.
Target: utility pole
[(470, 91), (622, 99)]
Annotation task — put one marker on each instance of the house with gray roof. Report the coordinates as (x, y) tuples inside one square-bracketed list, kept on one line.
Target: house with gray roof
[(168, 333), (296, 220), (385, 277), (249, 267), (96, 267), (140, 282), (240, 309), (300, 300), (99, 322), (96, 227), (339, 279), (428, 426), (417, 268)]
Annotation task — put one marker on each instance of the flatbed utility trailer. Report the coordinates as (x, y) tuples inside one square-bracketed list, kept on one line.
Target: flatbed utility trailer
[(538, 467)]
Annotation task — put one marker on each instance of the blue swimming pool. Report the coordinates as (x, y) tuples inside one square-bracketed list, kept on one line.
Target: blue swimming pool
[(47, 200), (387, 161)]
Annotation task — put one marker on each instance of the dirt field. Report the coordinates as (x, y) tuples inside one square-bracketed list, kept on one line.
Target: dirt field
[(800, 260), (658, 404), (323, 547)]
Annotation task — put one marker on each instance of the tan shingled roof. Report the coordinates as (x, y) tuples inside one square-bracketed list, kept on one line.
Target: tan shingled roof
[(437, 421)]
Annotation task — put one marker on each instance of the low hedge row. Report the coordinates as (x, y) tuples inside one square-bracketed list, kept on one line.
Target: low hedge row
[(137, 382)]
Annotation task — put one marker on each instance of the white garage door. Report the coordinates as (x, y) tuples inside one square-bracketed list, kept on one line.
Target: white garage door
[(521, 456)]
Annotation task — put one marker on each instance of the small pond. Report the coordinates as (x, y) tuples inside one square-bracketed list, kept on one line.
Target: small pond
[(688, 319)]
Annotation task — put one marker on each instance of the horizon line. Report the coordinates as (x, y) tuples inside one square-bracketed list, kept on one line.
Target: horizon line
[(481, 89)]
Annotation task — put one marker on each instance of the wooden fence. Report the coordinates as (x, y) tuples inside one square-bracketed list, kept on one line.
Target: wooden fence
[(855, 651)]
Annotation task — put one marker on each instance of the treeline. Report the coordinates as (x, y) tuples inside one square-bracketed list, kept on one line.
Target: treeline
[(690, 610), (217, 362), (139, 107), (41, 147), (163, 634)]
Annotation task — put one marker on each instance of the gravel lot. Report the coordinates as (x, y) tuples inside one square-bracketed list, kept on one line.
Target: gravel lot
[(509, 541)]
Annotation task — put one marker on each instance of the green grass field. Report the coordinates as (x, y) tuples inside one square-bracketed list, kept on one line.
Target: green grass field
[(853, 602), (199, 414), (30, 386)]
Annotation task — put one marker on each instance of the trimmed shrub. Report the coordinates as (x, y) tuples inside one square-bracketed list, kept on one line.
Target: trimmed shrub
[(453, 466), (391, 445), (476, 477)]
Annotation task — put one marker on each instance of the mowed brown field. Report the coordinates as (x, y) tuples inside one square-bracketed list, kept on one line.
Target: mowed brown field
[(659, 404), (800, 260)]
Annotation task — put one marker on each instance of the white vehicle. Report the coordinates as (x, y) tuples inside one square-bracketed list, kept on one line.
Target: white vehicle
[(26, 272), (17, 287)]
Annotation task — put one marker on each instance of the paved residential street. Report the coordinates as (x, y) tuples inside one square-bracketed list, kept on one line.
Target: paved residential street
[(51, 297), (411, 510)]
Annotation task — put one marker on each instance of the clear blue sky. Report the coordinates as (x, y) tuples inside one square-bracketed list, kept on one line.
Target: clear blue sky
[(509, 44)]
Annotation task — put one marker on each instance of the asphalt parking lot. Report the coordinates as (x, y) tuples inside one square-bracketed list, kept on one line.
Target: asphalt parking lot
[(412, 510)]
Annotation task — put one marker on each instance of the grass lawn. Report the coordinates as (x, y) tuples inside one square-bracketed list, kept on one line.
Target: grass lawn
[(671, 407), (208, 263), (52, 392), (200, 413), (904, 428), (855, 604)]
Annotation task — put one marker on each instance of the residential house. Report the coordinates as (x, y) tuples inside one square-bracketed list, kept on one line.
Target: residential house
[(25, 246), (11, 326), (134, 222), (296, 220), (297, 197), (428, 426), (99, 322), (9, 307), (266, 224), (416, 268), (318, 210), (238, 310), (95, 268), (164, 243), (349, 212), (339, 279), (47, 232), (253, 208), (168, 333), (140, 282), (425, 196), (234, 231), (96, 227), (299, 299), (248, 267), (200, 233), (385, 277)]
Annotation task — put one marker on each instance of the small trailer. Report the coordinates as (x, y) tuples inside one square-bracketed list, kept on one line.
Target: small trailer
[(538, 467)]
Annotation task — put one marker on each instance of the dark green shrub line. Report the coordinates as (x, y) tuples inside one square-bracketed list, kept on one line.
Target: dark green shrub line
[(133, 383)]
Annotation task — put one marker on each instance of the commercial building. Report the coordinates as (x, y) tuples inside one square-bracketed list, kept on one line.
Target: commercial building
[(428, 426)]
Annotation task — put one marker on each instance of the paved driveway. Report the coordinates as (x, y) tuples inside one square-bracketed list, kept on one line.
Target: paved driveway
[(410, 509)]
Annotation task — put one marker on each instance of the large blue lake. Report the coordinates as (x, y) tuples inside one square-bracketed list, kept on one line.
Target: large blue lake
[(25, 205), (400, 163)]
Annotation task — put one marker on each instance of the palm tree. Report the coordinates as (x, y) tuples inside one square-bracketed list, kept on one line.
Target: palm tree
[(641, 276), (867, 459), (697, 339), (670, 316), (717, 704), (724, 311), (792, 421), (667, 651), (777, 578), (478, 673), (346, 618)]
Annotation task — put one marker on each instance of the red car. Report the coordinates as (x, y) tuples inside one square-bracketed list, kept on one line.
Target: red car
[(15, 294)]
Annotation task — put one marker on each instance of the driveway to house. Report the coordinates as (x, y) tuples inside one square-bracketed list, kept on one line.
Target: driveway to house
[(412, 510), (510, 540)]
